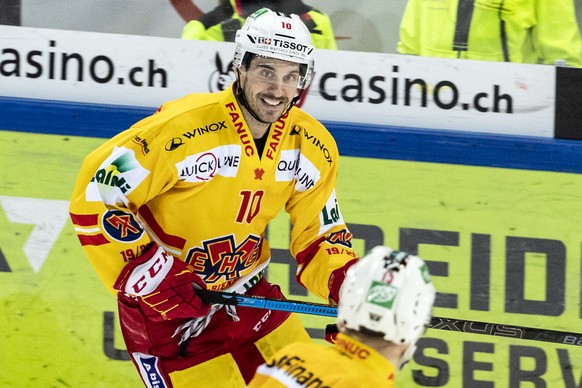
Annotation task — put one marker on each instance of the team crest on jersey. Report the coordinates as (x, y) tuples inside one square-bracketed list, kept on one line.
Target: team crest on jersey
[(222, 260), (121, 226), (342, 237)]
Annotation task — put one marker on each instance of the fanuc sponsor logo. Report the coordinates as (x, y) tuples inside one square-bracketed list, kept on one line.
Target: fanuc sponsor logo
[(223, 161), (275, 137), (239, 125)]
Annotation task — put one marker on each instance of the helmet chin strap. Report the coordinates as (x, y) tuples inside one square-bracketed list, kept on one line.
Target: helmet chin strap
[(239, 93)]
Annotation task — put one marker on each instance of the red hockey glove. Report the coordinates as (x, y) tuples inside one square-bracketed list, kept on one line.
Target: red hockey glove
[(163, 286), (335, 281)]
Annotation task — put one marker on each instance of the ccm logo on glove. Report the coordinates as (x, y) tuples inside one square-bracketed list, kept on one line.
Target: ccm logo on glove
[(162, 285), (145, 278)]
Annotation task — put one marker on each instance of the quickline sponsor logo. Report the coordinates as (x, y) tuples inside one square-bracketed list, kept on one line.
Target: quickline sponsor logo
[(54, 64)]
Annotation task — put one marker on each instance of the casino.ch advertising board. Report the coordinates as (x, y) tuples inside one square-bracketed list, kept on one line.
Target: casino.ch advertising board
[(503, 246)]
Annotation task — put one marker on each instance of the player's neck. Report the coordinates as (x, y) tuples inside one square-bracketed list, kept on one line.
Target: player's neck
[(257, 128)]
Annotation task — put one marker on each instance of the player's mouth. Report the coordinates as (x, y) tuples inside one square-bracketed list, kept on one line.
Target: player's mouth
[(271, 101)]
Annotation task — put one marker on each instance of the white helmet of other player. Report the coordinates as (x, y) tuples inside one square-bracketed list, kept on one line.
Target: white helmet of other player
[(276, 35), (388, 292)]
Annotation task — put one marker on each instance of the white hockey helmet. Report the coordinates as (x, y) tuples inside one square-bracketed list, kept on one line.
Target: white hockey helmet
[(276, 35), (388, 292)]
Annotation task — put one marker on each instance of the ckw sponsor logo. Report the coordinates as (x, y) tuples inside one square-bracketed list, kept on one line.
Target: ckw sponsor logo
[(118, 176), (48, 217)]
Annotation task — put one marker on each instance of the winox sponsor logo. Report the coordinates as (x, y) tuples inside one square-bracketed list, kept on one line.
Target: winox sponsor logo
[(316, 142), (204, 166), (191, 134), (294, 165), (176, 142)]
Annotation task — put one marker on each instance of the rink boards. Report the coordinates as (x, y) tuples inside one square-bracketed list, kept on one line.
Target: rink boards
[(496, 216)]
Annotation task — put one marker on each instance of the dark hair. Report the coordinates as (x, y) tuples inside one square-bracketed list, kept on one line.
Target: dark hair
[(248, 57)]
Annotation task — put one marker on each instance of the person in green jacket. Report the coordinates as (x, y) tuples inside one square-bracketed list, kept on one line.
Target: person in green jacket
[(524, 31), (221, 23)]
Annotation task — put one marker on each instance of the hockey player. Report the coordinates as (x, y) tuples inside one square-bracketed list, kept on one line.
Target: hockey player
[(184, 196), (385, 306)]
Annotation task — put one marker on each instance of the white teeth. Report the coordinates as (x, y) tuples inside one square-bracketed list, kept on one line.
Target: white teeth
[(271, 102)]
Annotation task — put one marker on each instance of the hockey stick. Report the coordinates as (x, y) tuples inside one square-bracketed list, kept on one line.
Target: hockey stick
[(450, 324), (292, 306)]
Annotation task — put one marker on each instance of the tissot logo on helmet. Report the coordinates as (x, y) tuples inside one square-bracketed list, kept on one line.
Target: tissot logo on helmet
[(281, 43)]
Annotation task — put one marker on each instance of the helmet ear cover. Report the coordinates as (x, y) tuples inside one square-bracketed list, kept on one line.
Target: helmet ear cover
[(276, 35)]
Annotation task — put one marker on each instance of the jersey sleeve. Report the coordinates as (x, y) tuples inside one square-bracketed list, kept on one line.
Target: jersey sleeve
[(320, 240), (114, 181)]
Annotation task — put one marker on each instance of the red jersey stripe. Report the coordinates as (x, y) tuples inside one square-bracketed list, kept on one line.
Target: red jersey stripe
[(167, 239), (84, 219)]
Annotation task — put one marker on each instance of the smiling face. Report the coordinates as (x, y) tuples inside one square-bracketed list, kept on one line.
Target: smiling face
[(268, 86)]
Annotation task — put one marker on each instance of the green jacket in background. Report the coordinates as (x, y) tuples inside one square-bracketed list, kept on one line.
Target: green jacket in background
[(524, 31), (222, 22)]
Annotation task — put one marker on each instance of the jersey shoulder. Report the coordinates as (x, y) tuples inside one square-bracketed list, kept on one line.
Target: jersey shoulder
[(179, 115), (315, 137)]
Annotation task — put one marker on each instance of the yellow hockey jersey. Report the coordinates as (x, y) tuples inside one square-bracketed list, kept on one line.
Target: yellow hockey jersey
[(348, 364), (189, 177)]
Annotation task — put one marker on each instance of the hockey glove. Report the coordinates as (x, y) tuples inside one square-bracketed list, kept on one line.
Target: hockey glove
[(163, 285), (335, 281), (331, 332)]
